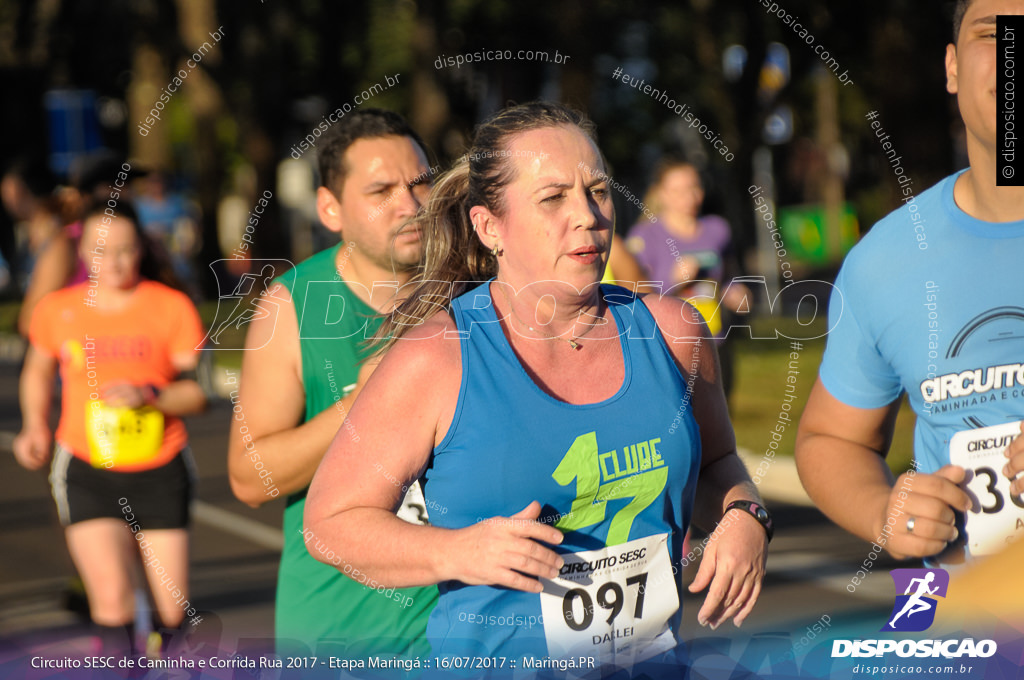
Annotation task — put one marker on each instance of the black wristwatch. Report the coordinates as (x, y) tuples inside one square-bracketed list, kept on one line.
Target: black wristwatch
[(758, 512), (154, 393)]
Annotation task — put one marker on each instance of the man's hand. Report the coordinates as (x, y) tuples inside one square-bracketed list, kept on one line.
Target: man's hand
[(1015, 453), (925, 523)]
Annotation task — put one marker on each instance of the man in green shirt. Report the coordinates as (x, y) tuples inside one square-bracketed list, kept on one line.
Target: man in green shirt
[(301, 374)]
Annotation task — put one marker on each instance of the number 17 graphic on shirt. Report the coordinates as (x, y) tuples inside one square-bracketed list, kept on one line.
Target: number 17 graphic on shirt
[(639, 472), (599, 604)]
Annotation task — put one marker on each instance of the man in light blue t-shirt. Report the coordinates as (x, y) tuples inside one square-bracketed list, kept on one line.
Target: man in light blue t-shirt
[(931, 303)]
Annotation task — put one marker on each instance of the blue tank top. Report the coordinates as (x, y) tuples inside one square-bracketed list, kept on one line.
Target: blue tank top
[(614, 475)]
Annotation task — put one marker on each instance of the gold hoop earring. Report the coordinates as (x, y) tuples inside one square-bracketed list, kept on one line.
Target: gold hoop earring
[(496, 251)]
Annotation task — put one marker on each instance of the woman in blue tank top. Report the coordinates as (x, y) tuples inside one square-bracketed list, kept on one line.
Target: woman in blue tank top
[(567, 433)]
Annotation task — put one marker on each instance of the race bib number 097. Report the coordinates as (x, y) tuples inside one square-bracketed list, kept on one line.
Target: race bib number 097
[(613, 604), (996, 516)]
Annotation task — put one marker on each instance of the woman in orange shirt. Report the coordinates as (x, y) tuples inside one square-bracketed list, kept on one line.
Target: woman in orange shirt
[(124, 344)]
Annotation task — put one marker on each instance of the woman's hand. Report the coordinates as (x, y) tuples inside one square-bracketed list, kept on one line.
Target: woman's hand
[(733, 564), (125, 394), (32, 447), (507, 551), (685, 269)]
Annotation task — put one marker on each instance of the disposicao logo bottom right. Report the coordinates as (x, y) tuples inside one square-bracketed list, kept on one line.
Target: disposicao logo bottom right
[(914, 610)]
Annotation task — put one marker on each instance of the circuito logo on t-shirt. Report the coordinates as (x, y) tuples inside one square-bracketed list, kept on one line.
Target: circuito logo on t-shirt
[(991, 332), (119, 348), (914, 610)]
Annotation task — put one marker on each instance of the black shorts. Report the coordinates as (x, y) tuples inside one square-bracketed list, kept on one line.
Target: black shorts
[(154, 499)]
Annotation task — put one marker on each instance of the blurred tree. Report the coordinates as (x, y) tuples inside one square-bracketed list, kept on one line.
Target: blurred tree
[(281, 66)]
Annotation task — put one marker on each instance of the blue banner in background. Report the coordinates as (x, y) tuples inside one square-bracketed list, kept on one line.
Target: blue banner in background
[(74, 127)]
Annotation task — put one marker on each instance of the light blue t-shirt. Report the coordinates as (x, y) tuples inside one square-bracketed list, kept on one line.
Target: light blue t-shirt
[(931, 302)]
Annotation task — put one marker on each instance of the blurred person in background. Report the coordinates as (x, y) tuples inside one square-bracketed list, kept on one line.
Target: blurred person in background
[(170, 219), (125, 344), (689, 252), (95, 180), (623, 269), (513, 425), (45, 254), (301, 374)]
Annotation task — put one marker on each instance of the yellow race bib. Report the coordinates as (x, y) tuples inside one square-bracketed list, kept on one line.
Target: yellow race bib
[(119, 436)]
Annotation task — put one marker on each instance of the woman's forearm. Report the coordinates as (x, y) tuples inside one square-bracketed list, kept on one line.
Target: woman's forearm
[(374, 544), (181, 398), (721, 482), (36, 390)]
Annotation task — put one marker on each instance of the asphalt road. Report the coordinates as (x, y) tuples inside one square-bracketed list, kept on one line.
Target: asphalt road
[(234, 562)]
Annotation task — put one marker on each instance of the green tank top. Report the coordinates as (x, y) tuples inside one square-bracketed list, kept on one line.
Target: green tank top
[(317, 605)]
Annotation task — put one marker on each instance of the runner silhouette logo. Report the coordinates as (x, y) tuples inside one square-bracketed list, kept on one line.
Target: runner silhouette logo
[(914, 610)]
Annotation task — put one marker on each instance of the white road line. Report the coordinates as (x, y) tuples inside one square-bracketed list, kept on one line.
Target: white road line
[(229, 522), (243, 527)]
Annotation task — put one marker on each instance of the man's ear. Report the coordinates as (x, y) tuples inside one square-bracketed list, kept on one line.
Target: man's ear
[(486, 225), (951, 75), (328, 209)]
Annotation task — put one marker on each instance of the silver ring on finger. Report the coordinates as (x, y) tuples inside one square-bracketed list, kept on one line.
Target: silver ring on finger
[(910, 525)]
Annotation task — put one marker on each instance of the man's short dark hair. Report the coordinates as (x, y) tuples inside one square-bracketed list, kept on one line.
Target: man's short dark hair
[(958, 17), (363, 124)]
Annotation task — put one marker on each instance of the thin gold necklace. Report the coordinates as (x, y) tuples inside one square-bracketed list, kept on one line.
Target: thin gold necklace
[(547, 336)]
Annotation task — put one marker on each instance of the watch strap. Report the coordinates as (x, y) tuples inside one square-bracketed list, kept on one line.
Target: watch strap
[(758, 512)]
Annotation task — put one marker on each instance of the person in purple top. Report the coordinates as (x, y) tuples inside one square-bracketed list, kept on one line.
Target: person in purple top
[(686, 251)]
